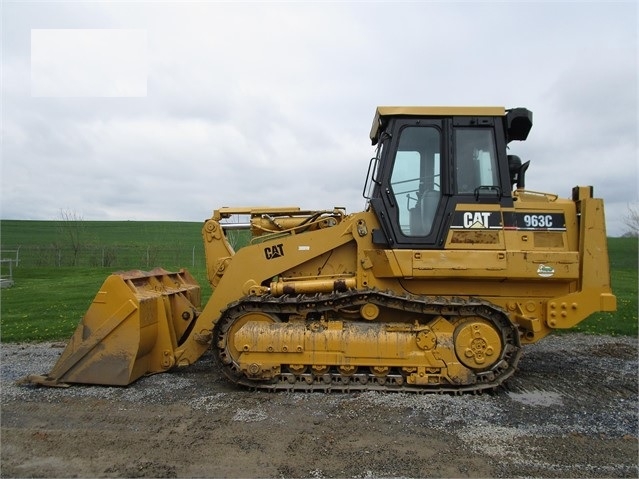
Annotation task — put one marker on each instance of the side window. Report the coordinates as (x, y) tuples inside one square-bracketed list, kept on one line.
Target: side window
[(475, 159), (415, 179)]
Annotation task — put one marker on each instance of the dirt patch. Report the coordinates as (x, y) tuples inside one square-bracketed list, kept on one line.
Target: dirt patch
[(570, 411)]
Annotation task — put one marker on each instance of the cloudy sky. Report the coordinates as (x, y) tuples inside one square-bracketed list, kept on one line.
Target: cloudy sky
[(168, 110)]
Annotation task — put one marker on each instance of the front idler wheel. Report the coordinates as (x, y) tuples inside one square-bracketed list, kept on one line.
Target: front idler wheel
[(478, 343)]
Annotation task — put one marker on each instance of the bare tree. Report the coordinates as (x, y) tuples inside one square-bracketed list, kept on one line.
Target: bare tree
[(72, 228), (632, 221)]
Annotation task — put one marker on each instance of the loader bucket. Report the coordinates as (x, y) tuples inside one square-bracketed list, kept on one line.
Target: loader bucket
[(132, 328)]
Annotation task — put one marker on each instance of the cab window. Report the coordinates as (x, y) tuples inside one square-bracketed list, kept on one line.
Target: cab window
[(475, 160)]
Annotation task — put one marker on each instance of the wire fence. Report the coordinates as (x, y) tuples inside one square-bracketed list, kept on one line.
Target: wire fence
[(9, 259), (95, 256)]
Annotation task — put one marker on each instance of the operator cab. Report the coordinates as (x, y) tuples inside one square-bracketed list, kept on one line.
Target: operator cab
[(429, 159)]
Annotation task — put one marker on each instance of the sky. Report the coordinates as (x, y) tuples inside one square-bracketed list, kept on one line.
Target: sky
[(168, 110)]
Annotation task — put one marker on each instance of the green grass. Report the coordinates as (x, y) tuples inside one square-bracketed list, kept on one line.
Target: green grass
[(50, 296), (47, 304), (623, 275), (47, 301)]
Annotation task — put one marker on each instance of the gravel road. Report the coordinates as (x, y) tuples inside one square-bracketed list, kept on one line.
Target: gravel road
[(571, 410)]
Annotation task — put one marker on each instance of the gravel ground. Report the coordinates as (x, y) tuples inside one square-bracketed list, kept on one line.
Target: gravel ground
[(571, 410)]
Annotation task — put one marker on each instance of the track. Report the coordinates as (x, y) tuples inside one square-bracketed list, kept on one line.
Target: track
[(311, 310)]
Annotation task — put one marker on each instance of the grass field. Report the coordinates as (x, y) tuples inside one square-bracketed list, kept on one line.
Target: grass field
[(623, 273), (111, 244), (50, 296), (112, 233)]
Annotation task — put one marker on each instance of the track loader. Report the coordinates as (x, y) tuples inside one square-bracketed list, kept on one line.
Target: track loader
[(451, 268)]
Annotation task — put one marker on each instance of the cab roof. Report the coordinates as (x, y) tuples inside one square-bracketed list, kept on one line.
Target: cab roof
[(388, 111)]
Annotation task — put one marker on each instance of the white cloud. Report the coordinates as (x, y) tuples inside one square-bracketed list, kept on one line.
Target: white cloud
[(88, 62)]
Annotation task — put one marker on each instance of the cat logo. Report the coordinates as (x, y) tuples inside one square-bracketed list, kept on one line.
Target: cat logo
[(476, 219), (272, 252), (484, 220)]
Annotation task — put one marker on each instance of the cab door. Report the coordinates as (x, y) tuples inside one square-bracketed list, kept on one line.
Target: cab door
[(412, 190)]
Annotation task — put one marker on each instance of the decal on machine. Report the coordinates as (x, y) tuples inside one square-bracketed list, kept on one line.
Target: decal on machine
[(476, 220), (545, 271), (535, 221), (272, 252)]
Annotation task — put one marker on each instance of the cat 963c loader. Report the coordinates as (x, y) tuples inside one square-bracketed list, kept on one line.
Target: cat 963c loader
[(451, 268)]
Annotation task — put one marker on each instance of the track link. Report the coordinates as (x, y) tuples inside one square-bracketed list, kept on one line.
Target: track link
[(428, 308)]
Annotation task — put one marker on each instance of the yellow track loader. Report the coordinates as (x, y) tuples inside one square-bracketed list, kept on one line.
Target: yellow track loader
[(451, 268)]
